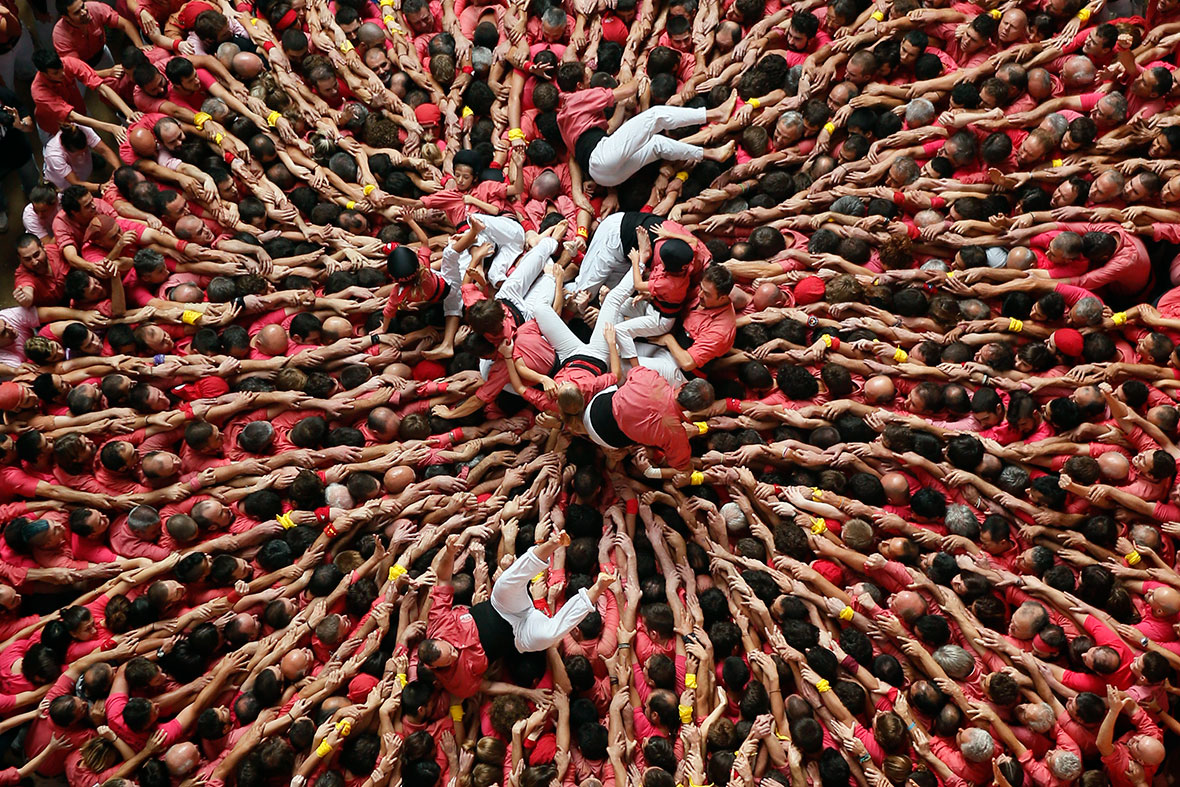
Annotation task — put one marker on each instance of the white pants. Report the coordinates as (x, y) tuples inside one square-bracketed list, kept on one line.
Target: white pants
[(527, 287), (604, 261), (638, 142), (659, 360), (563, 340), (508, 237), (639, 321), (532, 629), (505, 234)]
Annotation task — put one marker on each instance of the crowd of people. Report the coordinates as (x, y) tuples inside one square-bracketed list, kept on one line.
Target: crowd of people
[(660, 393)]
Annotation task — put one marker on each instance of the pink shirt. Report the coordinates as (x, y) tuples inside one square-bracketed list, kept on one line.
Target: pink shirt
[(646, 411), (86, 42), (581, 111)]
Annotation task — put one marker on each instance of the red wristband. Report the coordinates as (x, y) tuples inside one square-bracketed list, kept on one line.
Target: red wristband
[(898, 198), (181, 244), (495, 165), (233, 597), (268, 45), (109, 644), (912, 231), (330, 531), (323, 514), (388, 247), (323, 476), (632, 505), (229, 157), (733, 404), (457, 433), (835, 343), (937, 202)]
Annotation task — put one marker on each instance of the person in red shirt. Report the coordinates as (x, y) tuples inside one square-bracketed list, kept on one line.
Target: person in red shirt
[(57, 99), (41, 275), (1133, 759), (81, 32), (707, 329)]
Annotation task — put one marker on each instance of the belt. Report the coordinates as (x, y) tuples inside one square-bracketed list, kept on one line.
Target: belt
[(601, 423), (516, 314), (682, 338), (587, 362)]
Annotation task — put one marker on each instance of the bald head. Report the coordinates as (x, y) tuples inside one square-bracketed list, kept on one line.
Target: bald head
[(545, 186), (143, 142), (295, 664), (879, 390), (272, 340), (182, 759), (897, 488), (1114, 467), (767, 295), (188, 227), (247, 66)]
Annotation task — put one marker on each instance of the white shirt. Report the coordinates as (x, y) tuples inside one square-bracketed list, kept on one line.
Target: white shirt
[(60, 162), (33, 223)]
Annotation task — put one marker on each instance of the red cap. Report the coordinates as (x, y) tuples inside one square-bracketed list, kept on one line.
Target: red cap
[(429, 370), (1068, 341), (360, 686), (810, 290), (427, 114), (10, 395)]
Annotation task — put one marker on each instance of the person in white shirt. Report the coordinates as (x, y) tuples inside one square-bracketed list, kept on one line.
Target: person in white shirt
[(38, 215), (69, 157)]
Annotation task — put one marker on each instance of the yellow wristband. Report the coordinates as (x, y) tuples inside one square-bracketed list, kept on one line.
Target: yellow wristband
[(389, 20), (830, 127), (823, 686), (702, 426), (817, 494), (686, 714), (690, 680), (819, 526), (217, 138), (386, 3), (344, 727), (755, 103), (468, 112), (189, 317), (323, 750), (880, 17), (1058, 162), (949, 274), (272, 119), (994, 13), (403, 679), (396, 570), (350, 205), (847, 613), (1084, 15), (515, 133), (682, 176), (826, 339), (253, 21), (900, 355), (538, 578), (369, 189), (696, 478), (457, 712), (1015, 325), (1132, 558), (201, 118), (1119, 318), (286, 521), (346, 47)]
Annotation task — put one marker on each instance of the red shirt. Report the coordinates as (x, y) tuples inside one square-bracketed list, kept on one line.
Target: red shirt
[(193, 100), (457, 628), (530, 348), (581, 111), (47, 287), (712, 330), (86, 42), (646, 411), (55, 101)]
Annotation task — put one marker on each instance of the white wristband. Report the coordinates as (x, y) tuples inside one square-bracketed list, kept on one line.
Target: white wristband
[(653, 472)]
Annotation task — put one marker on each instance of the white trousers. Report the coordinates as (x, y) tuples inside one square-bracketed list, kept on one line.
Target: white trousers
[(659, 360), (639, 319), (532, 629), (505, 234), (566, 344), (527, 287), (508, 236), (638, 142), (604, 261)]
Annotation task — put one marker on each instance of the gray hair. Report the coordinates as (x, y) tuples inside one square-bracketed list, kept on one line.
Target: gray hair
[(554, 16), (857, 534), (215, 106), (961, 521), (481, 59), (735, 518), (1064, 764), (955, 661), (977, 745), (1039, 717), (337, 496), (919, 112), (1057, 124), (1013, 479), (226, 52), (1088, 310)]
